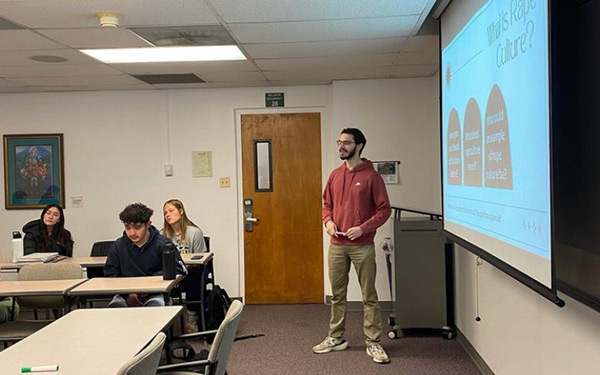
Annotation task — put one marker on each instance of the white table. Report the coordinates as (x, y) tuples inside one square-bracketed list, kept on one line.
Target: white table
[(125, 285), (89, 341)]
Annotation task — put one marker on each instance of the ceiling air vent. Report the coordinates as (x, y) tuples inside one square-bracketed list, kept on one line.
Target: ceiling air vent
[(157, 79), (203, 35)]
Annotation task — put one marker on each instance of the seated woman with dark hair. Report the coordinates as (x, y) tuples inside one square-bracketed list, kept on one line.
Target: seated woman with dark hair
[(48, 234)]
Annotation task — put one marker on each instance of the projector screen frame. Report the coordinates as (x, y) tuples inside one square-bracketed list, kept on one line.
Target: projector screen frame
[(549, 293)]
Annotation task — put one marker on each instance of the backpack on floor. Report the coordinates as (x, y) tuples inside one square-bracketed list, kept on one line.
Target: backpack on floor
[(217, 304)]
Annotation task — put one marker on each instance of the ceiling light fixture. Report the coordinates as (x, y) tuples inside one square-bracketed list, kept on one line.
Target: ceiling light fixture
[(165, 54), (108, 18)]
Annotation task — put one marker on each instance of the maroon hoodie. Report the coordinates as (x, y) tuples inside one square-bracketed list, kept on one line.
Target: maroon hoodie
[(356, 197)]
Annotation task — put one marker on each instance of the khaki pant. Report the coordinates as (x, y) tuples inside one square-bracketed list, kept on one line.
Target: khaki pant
[(363, 259)]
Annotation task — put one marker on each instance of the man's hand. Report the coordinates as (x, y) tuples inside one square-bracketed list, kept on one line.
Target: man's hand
[(133, 300), (354, 233), (331, 228)]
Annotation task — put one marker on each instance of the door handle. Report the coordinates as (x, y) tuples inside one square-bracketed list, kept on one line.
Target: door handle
[(248, 213)]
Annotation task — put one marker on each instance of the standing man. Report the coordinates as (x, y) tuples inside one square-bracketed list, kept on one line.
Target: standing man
[(138, 253), (355, 204)]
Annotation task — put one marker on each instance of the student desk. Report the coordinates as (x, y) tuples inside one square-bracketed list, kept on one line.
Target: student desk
[(86, 262), (206, 258), (82, 261), (38, 288), (89, 341), (125, 285), (99, 261)]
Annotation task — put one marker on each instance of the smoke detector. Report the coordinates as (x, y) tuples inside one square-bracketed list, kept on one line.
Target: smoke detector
[(108, 18)]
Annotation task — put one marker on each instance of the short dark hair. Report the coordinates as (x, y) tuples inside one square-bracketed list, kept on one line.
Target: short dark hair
[(136, 213), (359, 137)]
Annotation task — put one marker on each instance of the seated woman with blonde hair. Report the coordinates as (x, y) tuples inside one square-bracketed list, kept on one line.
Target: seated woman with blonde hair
[(182, 231)]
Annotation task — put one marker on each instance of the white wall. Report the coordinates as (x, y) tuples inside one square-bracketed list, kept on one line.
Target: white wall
[(400, 119), (521, 332), (116, 145)]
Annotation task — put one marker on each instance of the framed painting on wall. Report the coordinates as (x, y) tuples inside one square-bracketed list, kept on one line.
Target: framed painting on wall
[(33, 170)]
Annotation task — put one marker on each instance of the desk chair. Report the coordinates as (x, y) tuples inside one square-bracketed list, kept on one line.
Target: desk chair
[(218, 355), (17, 330), (146, 361), (99, 249), (50, 271)]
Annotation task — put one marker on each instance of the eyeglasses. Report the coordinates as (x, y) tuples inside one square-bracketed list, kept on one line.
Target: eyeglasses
[(345, 143)]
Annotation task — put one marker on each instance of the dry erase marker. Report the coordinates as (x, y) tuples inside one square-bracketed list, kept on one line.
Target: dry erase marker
[(39, 368), (340, 233)]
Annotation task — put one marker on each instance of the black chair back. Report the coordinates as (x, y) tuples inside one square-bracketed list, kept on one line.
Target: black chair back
[(99, 249)]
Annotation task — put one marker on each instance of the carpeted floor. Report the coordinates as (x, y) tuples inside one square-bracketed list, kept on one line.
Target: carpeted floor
[(291, 331)]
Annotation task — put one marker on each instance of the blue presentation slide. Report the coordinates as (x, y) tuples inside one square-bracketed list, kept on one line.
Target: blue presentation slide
[(495, 125)]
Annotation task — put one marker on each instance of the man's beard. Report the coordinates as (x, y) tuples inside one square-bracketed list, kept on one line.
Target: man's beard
[(349, 155)]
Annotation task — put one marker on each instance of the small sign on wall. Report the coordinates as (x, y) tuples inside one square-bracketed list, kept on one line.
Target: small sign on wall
[(274, 99), (201, 163), (388, 171), (77, 201)]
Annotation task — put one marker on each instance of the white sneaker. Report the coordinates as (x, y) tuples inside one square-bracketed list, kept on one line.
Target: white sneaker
[(330, 344), (377, 353)]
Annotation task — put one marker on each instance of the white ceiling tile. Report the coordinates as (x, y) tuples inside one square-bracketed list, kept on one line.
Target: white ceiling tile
[(414, 58), (122, 79), (215, 77), (413, 70), (19, 89), (7, 84), (328, 74), (313, 49), (81, 13), (211, 85), (327, 62), (143, 86), (301, 10), (14, 40), (306, 82), (48, 70), (422, 43), (187, 67), (22, 57), (296, 42), (96, 38), (315, 31)]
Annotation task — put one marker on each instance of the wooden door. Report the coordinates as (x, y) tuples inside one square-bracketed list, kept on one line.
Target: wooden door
[(284, 252)]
